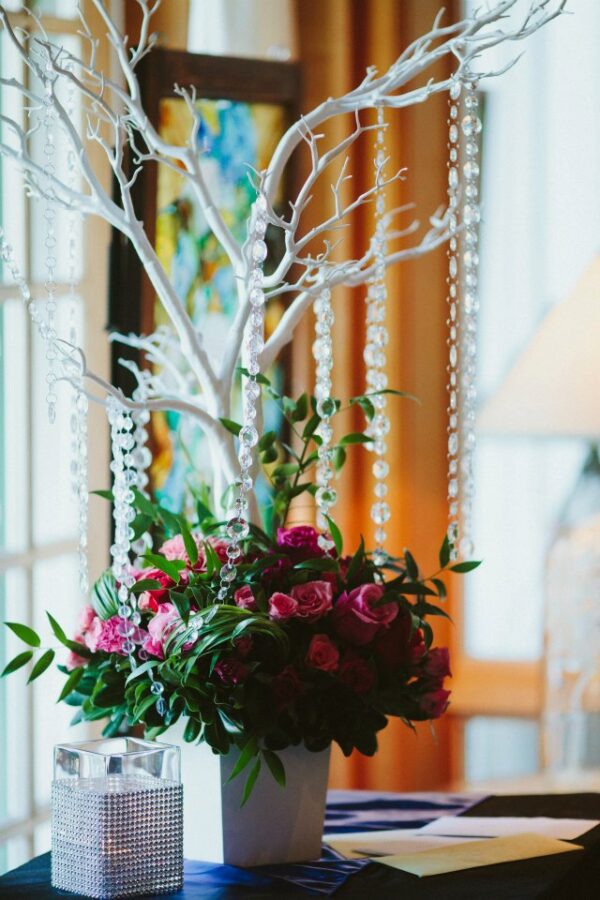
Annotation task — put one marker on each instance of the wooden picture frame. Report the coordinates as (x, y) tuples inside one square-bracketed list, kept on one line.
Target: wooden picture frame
[(243, 83)]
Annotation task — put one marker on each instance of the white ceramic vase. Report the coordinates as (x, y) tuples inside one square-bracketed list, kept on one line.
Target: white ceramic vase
[(276, 825)]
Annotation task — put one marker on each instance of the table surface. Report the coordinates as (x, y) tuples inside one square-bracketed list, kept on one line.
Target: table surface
[(567, 876)]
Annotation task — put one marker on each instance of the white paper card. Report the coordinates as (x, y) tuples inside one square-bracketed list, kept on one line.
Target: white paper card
[(504, 826), (389, 843)]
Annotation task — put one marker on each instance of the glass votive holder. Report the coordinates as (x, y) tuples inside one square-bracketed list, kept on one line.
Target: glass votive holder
[(117, 818)]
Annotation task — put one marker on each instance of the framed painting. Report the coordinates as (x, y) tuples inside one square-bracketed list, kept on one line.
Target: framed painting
[(243, 108)]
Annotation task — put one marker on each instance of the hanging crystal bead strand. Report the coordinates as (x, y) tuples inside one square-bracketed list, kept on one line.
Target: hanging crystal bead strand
[(122, 441), (141, 457), (326, 495), (453, 317), (49, 328), (471, 128), (375, 352), (237, 526)]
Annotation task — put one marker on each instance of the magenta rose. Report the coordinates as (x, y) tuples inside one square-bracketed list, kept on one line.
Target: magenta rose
[(245, 599), (434, 704), (357, 616), (282, 606), (314, 599), (357, 674), (322, 654), (300, 541), (287, 687), (437, 665), (231, 671)]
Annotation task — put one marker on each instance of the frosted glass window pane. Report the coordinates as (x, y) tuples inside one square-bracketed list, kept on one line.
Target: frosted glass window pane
[(37, 232), (522, 486), (13, 425), (15, 700), (42, 838), (54, 507), (55, 588), (500, 748), (12, 193), (63, 9), (14, 853)]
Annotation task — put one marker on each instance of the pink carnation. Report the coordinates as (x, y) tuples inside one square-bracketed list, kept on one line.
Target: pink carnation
[(314, 599), (282, 606), (358, 617), (322, 654), (245, 599), (105, 635)]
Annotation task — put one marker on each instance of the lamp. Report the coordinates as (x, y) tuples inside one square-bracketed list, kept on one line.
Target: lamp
[(553, 390)]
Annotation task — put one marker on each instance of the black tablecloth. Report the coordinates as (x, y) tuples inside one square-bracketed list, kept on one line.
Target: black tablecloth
[(568, 876)]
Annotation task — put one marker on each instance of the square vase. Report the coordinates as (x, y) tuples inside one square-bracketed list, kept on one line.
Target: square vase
[(276, 825)]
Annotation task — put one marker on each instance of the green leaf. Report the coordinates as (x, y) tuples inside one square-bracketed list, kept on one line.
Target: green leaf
[(146, 584), (170, 520), (191, 547), (339, 458), (192, 730), (444, 555), (266, 441), (106, 495), (336, 535), (27, 634), (356, 562), (275, 766), (249, 750), (366, 406), (169, 567), (71, 683), (229, 425), (203, 512), (301, 409), (441, 587), (269, 455), (311, 426), (143, 708), (141, 524), (319, 564), (104, 596), (41, 665), (141, 670), (250, 781), (76, 647), (21, 660), (284, 470), (355, 438), (262, 379), (411, 566), (144, 505), (463, 567)]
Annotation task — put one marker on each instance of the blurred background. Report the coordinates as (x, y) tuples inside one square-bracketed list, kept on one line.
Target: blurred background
[(540, 233)]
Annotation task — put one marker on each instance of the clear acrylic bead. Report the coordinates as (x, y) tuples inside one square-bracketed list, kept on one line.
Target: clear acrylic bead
[(259, 251), (380, 513)]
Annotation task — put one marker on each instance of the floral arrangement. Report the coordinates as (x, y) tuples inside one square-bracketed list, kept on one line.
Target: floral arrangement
[(311, 646)]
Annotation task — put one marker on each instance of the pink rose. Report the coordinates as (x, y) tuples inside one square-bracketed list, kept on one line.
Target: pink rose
[(437, 665), (287, 686), (314, 599), (161, 625), (282, 606), (153, 647), (174, 548), (357, 616), (220, 547), (356, 673), (74, 660), (434, 703), (231, 671), (245, 599), (322, 654), (86, 617), (300, 541)]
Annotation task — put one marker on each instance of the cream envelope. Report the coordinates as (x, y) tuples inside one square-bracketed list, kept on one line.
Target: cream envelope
[(473, 854), (387, 843), (502, 826)]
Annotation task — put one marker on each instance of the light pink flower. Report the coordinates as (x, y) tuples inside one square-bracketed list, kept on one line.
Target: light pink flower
[(245, 599), (322, 654), (86, 617), (109, 638), (93, 634), (74, 660), (161, 625), (174, 548), (357, 616), (282, 606), (314, 599)]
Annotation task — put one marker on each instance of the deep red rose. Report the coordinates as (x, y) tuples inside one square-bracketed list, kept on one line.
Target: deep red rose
[(231, 671), (434, 703), (392, 645), (300, 541), (287, 686), (150, 600), (322, 654), (245, 599), (436, 666), (357, 674)]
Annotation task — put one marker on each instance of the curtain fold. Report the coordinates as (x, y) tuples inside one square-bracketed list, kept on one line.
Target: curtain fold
[(337, 40)]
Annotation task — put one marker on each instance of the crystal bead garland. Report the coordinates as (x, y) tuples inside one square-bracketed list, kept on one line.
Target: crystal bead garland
[(375, 352), (49, 331), (453, 316), (123, 443), (326, 495), (141, 456), (471, 128), (237, 526)]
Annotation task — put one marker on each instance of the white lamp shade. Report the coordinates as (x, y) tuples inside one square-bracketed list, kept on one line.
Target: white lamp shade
[(553, 388)]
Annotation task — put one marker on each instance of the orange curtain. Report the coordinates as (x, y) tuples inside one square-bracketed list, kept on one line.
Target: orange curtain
[(337, 40)]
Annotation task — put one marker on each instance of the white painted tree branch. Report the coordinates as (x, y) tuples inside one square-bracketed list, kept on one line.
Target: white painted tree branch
[(191, 380)]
